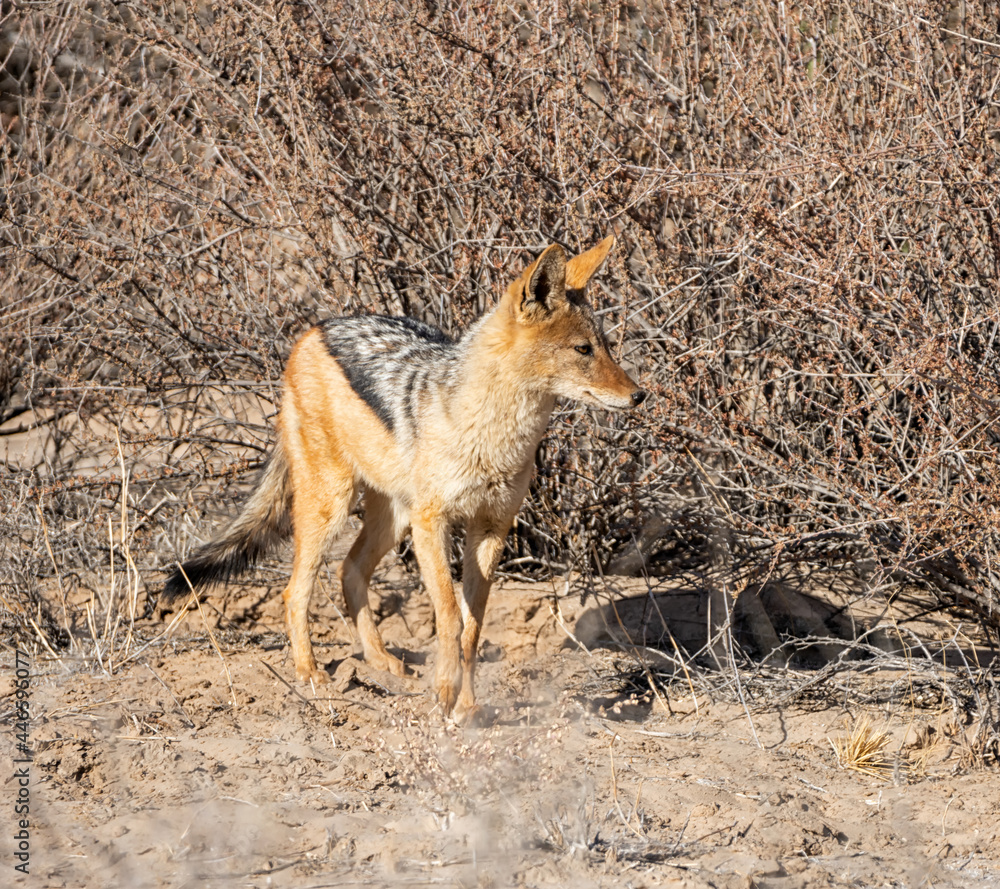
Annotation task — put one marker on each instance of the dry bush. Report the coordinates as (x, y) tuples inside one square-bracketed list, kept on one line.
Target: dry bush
[(807, 275)]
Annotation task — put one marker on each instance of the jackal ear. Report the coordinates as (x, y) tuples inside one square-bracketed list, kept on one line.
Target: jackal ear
[(580, 269), (545, 284)]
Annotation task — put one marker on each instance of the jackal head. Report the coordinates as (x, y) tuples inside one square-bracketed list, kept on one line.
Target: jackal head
[(559, 337)]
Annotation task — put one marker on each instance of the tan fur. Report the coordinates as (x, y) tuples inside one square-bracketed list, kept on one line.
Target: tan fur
[(470, 461)]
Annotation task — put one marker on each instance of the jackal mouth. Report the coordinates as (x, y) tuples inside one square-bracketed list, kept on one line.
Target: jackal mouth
[(611, 402)]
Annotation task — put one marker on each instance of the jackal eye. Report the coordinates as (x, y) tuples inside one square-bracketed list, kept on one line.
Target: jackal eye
[(585, 349)]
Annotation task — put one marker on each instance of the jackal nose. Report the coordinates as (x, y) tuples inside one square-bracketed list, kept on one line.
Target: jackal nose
[(638, 397)]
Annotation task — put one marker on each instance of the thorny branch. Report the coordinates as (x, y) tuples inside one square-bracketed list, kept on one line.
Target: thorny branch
[(807, 274)]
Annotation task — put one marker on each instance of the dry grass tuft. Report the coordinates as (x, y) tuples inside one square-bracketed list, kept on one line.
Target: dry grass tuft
[(863, 750)]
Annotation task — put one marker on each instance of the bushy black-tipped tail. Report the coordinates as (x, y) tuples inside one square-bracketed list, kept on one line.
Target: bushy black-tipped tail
[(263, 522)]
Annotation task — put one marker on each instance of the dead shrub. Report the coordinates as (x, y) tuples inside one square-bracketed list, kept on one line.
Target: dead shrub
[(807, 275)]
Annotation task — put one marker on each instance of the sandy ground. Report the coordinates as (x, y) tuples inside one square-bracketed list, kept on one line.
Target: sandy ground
[(196, 765)]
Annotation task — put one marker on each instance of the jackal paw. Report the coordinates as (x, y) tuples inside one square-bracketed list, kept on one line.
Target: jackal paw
[(471, 716), (396, 667), (447, 695), (313, 675), (387, 662)]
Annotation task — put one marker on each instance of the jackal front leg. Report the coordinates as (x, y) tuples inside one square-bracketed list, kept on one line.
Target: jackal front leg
[(430, 543), (483, 546)]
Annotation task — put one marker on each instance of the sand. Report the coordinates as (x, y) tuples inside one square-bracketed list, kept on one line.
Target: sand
[(203, 763)]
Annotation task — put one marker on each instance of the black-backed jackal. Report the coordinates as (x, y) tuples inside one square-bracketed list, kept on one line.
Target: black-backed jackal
[(435, 433)]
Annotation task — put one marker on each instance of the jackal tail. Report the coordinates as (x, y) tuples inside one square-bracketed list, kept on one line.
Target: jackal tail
[(264, 521)]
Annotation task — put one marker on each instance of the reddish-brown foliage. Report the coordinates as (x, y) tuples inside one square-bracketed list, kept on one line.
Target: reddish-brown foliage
[(807, 274)]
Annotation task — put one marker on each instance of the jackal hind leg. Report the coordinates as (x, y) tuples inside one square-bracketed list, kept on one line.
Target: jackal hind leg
[(379, 534), (320, 508), (483, 547)]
